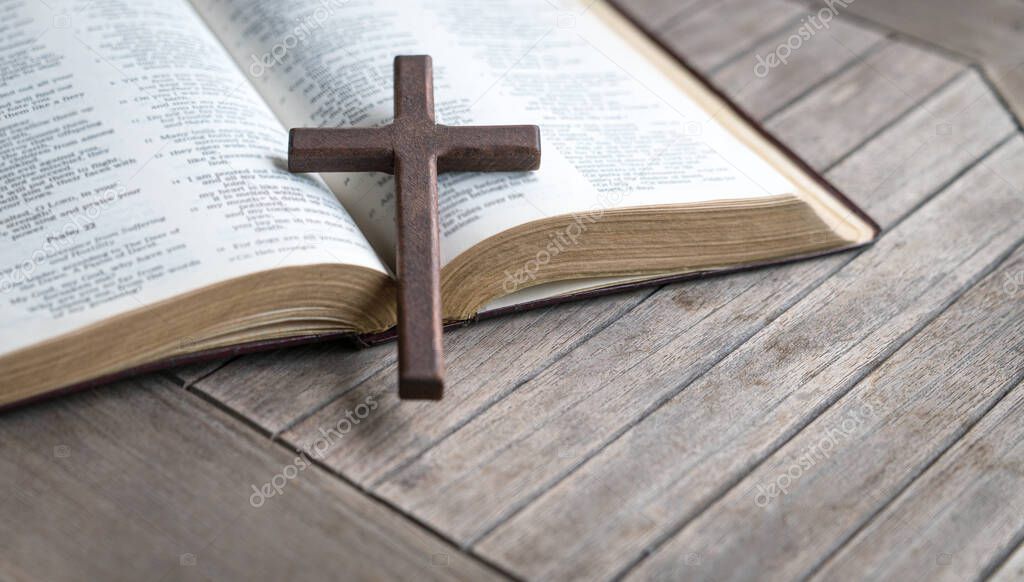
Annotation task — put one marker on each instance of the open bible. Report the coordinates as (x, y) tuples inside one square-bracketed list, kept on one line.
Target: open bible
[(148, 218)]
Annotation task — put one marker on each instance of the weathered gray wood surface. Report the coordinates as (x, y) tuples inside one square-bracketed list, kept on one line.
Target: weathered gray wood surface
[(556, 409), (820, 58), (753, 398), (988, 32), (1013, 568), (696, 34), (144, 481), (969, 506), (867, 446), (629, 435)]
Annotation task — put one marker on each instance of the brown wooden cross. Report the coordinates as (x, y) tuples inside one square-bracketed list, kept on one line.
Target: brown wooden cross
[(415, 150)]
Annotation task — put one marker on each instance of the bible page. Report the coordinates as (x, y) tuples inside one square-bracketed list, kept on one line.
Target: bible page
[(138, 163), (616, 131)]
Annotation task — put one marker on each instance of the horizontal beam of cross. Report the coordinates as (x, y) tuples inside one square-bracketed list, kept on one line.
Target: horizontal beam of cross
[(458, 149)]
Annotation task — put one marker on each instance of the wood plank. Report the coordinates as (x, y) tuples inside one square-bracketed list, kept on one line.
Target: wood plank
[(876, 91), (1009, 80), (486, 361), (275, 389), (192, 373), (967, 510), (711, 37), (991, 28), (661, 14), (810, 496), (656, 474), (1013, 569), (659, 461), (942, 135), (989, 33), (406, 431), (141, 480), (500, 460), (763, 90)]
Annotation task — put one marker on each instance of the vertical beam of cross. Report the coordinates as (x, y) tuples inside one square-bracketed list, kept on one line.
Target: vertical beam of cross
[(420, 363), (416, 149)]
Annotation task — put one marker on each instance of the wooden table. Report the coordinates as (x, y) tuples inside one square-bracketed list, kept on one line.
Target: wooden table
[(859, 413)]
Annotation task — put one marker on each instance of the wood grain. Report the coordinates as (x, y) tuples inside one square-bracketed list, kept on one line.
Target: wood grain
[(487, 361), (1013, 569), (275, 389), (141, 480), (812, 494), (713, 36), (930, 255), (967, 510), (932, 144), (632, 365), (763, 90), (662, 14), (989, 34), (876, 91)]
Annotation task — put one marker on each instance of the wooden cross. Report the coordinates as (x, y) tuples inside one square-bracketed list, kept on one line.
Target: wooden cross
[(415, 150)]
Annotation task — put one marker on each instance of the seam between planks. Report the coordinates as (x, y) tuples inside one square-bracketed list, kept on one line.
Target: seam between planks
[(999, 561), (957, 436), (217, 405), (793, 100), (505, 393), (980, 65), (229, 411), (1017, 382), (907, 37), (982, 69), (910, 110), (614, 436), (677, 17), (865, 22), (732, 58), (187, 384), (871, 50), (327, 401), (901, 341), (803, 294), (660, 402)]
